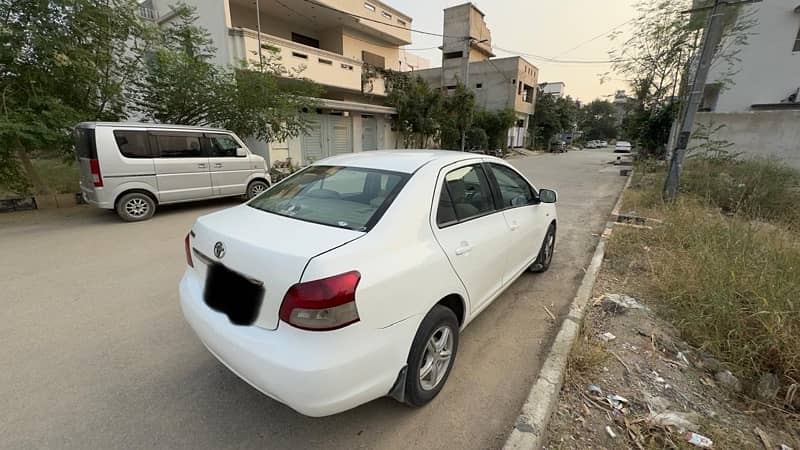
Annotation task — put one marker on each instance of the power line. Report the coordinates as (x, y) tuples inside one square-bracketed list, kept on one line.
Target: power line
[(595, 38), (556, 60)]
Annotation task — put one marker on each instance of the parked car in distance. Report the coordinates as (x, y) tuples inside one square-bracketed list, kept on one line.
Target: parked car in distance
[(591, 144), (602, 144), (622, 147), (134, 167), (351, 279)]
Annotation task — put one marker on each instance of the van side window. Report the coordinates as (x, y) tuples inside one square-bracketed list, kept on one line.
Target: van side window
[(133, 144), (179, 146), (222, 145)]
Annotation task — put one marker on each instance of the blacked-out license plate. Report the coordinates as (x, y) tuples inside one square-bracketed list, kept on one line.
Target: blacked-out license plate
[(233, 294)]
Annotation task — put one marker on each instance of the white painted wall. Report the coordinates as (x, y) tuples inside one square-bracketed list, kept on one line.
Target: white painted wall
[(769, 70), (757, 134)]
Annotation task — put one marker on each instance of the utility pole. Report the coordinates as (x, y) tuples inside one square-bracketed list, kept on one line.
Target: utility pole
[(467, 45), (258, 22), (711, 38)]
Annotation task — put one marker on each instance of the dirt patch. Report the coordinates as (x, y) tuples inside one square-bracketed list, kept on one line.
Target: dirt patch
[(632, 382)]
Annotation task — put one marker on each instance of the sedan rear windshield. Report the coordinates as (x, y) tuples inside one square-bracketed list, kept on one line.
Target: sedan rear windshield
[(344, 197)]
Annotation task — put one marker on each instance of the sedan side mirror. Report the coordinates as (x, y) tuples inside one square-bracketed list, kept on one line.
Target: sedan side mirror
[(241, 151), (548, 196)]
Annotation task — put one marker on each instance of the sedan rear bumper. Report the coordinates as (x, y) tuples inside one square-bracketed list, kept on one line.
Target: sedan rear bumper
[(315, 373)]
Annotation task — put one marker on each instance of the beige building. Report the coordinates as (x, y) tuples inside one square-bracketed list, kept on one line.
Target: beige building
[(498, 83), (329, 41)]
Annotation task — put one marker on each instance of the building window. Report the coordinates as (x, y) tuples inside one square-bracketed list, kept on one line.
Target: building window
[(450, 88), (347, 66), (373, 59), (454, 55), (797, 42), (527, 94), (325, 61), (401, 22), (305, 40), (519, 89), (478, 85), (386, 15), (369, 6), (299, 55)]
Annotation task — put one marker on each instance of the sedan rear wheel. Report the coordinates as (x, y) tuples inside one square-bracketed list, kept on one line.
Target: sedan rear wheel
[(432, 355)]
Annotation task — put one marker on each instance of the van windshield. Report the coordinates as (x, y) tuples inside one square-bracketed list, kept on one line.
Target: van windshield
[(345, 197)]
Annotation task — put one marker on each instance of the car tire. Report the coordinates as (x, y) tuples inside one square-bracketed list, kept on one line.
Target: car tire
[(256, 188), (427, 369), (545, 256), (136, 207)]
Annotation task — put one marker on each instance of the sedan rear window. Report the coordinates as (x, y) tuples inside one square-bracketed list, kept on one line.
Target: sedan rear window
[(344, 197)]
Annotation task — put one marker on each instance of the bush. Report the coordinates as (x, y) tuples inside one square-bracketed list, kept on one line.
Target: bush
[(757, 189)]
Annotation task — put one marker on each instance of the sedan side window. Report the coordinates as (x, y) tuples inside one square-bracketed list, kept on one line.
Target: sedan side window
[(469, 192), (514, 190)]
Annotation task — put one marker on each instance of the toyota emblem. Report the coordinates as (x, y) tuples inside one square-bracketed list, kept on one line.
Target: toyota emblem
[(219, 250)]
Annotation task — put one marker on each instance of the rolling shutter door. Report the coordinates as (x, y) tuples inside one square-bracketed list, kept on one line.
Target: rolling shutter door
[(312, 141), (340, 138)]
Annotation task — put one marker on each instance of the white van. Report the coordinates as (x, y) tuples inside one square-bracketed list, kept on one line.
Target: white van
[(134, 167)]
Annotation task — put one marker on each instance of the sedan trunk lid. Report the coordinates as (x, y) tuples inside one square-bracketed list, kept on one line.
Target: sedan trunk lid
[(264, 248)]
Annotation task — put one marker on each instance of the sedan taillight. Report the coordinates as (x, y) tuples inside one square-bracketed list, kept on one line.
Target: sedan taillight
[(322, 305)]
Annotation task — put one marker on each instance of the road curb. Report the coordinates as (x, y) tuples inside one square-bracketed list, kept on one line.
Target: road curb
[(529, 430)]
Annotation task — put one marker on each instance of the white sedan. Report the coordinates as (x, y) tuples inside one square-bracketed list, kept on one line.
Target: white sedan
[(351, 279)]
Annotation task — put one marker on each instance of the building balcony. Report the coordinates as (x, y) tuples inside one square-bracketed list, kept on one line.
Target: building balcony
[(321, 66), (369, 17)]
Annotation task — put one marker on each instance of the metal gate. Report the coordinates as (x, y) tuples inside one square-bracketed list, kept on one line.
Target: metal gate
[(327, 135), (369, 133)]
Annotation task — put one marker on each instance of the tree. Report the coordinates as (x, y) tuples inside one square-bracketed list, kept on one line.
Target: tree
[(659, 59), (552, 116), (458, 109), (418, 109), (63, 62), (495, 124), (599, 120), (183, 85)]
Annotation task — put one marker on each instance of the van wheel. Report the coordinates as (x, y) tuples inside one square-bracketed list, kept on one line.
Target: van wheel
[(135, 207), (432, 355), (256, 188)]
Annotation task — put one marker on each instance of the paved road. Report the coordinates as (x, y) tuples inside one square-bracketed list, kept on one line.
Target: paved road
[(95, 353)]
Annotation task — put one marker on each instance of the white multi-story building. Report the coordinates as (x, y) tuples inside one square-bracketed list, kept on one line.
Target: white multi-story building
[(557, 89), (765, 72), (331, 40)]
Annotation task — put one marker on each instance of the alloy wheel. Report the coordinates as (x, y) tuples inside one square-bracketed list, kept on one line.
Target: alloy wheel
[(137, 207), (436, 358)]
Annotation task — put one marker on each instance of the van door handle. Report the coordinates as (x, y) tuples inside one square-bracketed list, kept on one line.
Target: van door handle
[(202, 165), (217, 165), (464, 249)]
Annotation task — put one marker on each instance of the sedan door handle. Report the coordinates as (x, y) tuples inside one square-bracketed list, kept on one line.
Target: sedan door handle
[(464, 249), (202, 165), (217, 165)]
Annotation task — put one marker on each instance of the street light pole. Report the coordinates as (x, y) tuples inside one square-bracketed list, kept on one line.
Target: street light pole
[(258, 22), (711, 38), (467, 45)]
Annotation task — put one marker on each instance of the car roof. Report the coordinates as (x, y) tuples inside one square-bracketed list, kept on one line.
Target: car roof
[(146, 125), (406, 161)]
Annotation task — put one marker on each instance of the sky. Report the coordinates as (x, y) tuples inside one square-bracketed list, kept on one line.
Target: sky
[(548, 28)]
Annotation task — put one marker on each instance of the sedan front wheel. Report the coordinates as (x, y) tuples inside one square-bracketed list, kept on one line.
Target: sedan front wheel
[(432, 355)]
